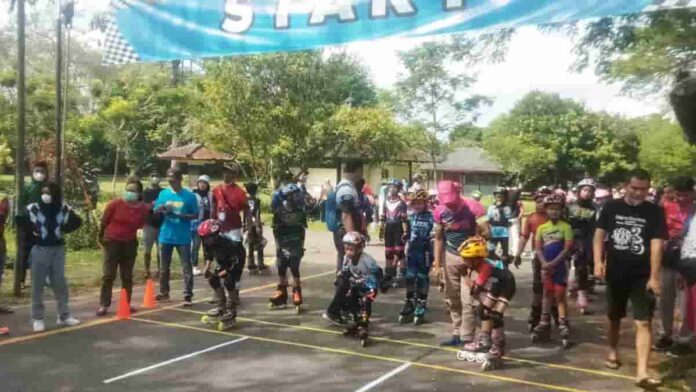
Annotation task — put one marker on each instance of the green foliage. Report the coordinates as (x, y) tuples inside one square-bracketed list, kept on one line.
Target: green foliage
[(549, 140), (86, 236), (664, 151)]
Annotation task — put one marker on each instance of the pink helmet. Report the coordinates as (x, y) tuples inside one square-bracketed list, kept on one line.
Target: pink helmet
[(209, 227)]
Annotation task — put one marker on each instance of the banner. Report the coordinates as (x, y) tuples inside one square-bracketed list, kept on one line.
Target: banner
[(158, 30)]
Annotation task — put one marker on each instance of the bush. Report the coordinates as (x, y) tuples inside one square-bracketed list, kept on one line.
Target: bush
[(86, 236)]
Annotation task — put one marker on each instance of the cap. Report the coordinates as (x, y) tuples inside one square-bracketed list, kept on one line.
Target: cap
[(204, 178), (447, 192)]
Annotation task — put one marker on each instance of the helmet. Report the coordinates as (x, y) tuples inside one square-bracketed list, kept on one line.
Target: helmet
[(421, 195), (289, 189), (587, 182), (556, 198), (500, 191), (474, 247), (209, 227), (476, 193), (204, 178), (353, 238), (394, 182)]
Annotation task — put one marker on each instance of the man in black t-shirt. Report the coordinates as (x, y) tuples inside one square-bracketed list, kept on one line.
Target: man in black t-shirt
[(634, 231)]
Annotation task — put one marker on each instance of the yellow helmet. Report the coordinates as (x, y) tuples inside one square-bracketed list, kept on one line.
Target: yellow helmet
[(474, 247)]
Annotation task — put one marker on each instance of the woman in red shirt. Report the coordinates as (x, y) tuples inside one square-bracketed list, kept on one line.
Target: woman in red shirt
[(118, 238)]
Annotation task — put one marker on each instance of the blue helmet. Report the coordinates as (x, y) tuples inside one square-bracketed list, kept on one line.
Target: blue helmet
[(289, 189)]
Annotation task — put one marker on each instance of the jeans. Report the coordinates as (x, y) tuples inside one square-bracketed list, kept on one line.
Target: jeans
[(3, 259), (118, 255), (195, 248), (48, 261), (184, 251)]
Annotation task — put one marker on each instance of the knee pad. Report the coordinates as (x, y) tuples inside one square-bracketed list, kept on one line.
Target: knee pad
[(482, 313), (497, 319)]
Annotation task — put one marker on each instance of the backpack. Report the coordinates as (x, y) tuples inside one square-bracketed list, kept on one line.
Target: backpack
[(331, 212)]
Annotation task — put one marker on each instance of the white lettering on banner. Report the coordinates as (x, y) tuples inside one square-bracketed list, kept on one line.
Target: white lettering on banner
[(380, 8), (239, 16), (324, 8), (282, 16), (451, 5)]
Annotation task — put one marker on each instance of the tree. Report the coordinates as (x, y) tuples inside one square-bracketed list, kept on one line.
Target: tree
[(466, 135), (664, 151), (430, 96), (546, 139), (262, 107)]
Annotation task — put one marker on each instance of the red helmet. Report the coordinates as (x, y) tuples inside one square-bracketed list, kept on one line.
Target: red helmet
[(209, 227)]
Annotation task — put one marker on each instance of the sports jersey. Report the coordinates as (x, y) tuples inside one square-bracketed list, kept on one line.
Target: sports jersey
[(552, 238), (532, 223), (499, 218), (394, 211), (458, 225), (582, 217), (421, 227)]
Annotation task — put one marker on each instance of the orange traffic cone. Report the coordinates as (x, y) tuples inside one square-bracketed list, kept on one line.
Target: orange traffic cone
[(149, 299), (123, 306)]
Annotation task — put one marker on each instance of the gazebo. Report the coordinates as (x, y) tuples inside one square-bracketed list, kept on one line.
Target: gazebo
[(195, 156)]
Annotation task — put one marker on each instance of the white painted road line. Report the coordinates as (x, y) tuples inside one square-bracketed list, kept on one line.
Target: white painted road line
[(171, 361), (385, 377)]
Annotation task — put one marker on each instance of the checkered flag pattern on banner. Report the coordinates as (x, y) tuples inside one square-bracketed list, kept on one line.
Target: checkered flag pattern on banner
[(117, 50), (669, 4)]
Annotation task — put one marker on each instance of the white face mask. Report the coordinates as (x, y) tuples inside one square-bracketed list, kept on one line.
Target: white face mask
[(46, 199), (39, 176)]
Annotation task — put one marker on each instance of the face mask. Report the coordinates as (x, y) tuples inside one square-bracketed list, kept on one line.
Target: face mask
[(46, 199), (39, 176), (130, 196)]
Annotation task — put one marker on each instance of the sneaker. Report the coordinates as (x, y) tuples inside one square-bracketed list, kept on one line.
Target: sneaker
[(4, 331), (196, 271), (101, 312), (68, 322), (663, 344), (39, 326), (6, 310), (335, 319), (456, 341), (162, 297), (187, 301), (133, 310), (680, 350)]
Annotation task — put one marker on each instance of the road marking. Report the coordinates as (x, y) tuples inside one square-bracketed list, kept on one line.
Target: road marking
[(173, 360), (422, 345), (96, 322), (385, 377), (369, 356)]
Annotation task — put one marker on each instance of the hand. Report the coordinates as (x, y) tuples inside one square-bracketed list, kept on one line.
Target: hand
[(476, 290), (102, 241), (517, 262), (404, 237), (371, 295), (654, 286), (599, 271), (546, 266)]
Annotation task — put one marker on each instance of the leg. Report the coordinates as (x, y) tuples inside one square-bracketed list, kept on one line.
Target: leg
[(58, 281), (184, 252), (40, 268), (614, 326), (166, 251), (339, 300), (643, 348), (195, 249), (340, 250), (617, 299), (668, 300), (467, 312), (109, 270), (126, 265), (643, 309), (148, 243), (453, 295), (296, 284), (537, 294)]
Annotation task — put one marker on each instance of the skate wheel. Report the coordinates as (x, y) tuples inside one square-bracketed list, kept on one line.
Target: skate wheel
[(205, 319), (402, 320), (481, 358), (298, 309), (363, 342), (418, 321), (471, 357), (461, 355)]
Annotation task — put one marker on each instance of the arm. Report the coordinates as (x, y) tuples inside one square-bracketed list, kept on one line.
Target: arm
[(106, 219), (656, 245), (567, 247), (484, 229), (598, 252), (484, 273), (439, 247), (524, 238)]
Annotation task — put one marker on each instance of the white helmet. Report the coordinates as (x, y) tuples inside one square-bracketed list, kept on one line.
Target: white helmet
[(353, 238), (587, 182), (204, 178)]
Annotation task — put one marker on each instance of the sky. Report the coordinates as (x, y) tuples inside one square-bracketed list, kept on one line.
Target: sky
[(535, 61)]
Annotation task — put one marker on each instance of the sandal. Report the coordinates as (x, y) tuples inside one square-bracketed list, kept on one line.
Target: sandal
[(613, 364), (649, 384)]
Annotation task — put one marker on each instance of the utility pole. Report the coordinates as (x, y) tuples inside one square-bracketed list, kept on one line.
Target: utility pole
[(59, 94), (67, 12), (21, 131)]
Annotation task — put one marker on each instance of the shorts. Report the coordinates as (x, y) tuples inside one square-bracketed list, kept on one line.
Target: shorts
[(150, 237), (393, 239), (620, 291), (505, 286)]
